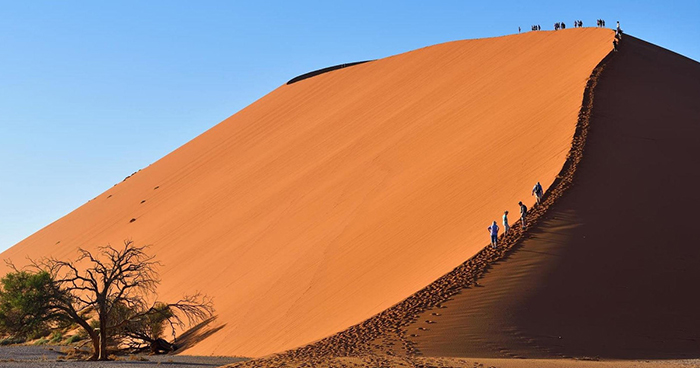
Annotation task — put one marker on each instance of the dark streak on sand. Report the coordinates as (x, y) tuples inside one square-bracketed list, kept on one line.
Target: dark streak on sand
[(325, 70)]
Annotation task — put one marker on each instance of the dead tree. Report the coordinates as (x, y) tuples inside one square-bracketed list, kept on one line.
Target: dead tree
[(114, 286)]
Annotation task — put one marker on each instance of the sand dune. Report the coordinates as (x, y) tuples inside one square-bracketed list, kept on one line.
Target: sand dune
[(611, 271), (333, 198)]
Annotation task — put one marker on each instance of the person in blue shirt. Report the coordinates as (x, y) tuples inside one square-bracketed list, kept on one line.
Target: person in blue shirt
[(493, 229)]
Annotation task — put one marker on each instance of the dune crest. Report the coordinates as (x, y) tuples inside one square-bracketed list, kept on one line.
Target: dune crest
[(331, 199)]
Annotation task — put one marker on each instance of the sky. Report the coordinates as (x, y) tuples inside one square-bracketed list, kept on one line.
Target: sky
[(91, 92)]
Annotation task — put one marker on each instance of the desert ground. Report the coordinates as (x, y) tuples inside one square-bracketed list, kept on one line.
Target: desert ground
[(51, 357)]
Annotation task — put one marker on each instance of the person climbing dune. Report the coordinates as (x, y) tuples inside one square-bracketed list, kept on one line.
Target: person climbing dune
[(493, 229), (538, 192), (506, 227), (523, 214)]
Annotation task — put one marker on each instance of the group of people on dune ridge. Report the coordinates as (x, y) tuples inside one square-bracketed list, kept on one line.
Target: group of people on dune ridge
[(538, 192), (577, 24)]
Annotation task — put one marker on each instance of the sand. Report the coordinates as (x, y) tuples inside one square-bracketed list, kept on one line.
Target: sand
[(598, 277), (441, 362), (330, 200), (610, 271), (390, 338)]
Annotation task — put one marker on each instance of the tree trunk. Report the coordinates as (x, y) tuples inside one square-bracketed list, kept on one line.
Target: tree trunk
[(103, 338), (94, 337), (95, 346)]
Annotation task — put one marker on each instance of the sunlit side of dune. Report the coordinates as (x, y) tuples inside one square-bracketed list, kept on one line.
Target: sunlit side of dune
[(329, 200)]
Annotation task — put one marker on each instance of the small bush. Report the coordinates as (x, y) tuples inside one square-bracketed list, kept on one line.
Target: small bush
[(94, 324), (56, 338), (41, 341), (74, 338), (38, 333), (11, 341), (73, 353)]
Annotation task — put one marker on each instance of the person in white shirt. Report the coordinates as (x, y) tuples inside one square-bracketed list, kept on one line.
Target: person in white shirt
[(538, 192)]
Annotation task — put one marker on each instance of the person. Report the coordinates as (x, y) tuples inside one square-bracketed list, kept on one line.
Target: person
[(615, 44), (518, 29), (493, 229), (563, 25), (538, 192), (506, 227), (523, 214), (618, 31)]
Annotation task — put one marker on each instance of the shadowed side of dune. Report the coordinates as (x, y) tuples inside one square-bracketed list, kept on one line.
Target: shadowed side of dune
[(611, 270)]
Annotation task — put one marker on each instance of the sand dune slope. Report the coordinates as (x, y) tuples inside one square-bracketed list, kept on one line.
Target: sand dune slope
[(329, 200), (612, 270)]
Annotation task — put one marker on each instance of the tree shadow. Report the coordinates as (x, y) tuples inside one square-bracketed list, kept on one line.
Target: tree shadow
[(196, 334)]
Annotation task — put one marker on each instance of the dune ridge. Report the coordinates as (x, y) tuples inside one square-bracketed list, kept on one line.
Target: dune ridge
[(330, 200)]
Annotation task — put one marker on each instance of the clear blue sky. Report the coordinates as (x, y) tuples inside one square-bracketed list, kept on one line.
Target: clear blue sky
[(93, 91)]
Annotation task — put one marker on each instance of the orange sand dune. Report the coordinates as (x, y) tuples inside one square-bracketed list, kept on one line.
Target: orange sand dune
[(612, 270), (329, 200)]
